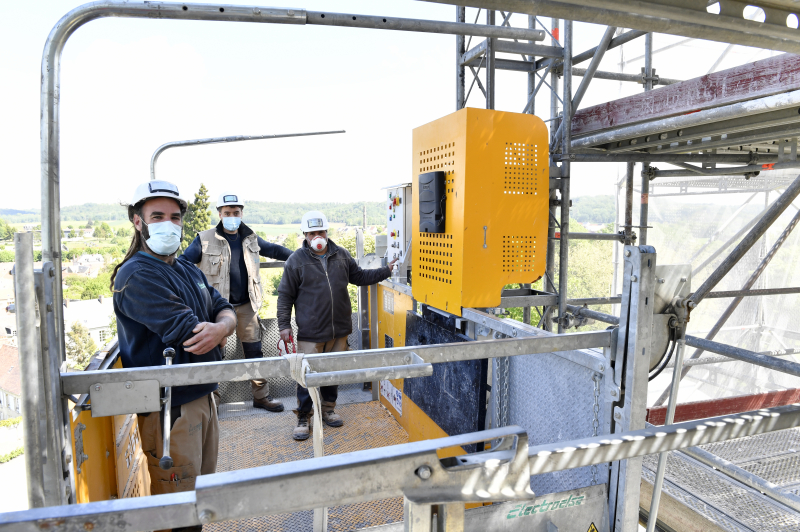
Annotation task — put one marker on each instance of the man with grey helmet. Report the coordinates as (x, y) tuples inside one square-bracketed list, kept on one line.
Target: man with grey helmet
[(315, 280)]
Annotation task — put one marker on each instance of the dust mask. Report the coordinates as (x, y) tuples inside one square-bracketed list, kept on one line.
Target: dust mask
[(163, 238), (231, 223), (318, 243)]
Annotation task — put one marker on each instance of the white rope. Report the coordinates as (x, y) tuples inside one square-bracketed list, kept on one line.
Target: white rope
[(298, 367)]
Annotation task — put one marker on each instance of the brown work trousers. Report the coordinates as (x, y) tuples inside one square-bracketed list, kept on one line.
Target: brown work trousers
[(194, 442)]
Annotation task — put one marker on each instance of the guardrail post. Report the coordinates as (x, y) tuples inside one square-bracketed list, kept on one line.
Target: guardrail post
[(632, 362)]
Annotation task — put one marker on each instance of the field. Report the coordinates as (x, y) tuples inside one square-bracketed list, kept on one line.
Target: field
[(269, 229)]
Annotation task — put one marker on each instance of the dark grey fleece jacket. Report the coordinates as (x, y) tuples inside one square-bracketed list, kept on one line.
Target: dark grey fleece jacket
[(320, 299)]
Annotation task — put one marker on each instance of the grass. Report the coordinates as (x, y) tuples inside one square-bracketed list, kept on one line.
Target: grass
[(14, 421), (10, 456)]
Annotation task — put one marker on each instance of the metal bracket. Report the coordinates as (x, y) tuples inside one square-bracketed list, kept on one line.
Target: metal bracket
[(649, 172), (130, 397), (655, 79), (413, 366)]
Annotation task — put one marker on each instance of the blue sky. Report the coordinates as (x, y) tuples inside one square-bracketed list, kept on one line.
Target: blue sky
[(130, 85)]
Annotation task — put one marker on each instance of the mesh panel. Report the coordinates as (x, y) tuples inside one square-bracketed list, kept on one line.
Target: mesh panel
[(252, 438), (557, 408), (236, 392)]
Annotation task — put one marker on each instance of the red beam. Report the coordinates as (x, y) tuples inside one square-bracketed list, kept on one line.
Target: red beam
[(746, 82), (721, 407)]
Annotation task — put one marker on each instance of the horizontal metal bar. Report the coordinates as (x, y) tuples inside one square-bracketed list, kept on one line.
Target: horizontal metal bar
[(704, 361), (701, 119), (609, 300), (729, 170), (618, 76), (593, 314), (548, 300), (626, 37), (777, 364), (753, 293), (745, 477), (538, 50), (274, 264), (353, 376), (122, 515), (609, 448), (473, 53), (268, 368), (380, 473), (595, 236), (582, 356), (641, 157), (422, 26)]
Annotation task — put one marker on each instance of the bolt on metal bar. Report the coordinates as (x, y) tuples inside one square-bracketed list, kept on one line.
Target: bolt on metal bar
[(222, 140), (593, 314), (30, 369), (772, 214), (758, 359)]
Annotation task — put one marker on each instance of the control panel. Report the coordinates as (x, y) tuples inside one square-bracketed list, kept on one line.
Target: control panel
[(398, 220)]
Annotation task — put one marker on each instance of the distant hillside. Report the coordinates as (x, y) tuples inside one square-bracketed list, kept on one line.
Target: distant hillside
[(593, 209), (255, 212)]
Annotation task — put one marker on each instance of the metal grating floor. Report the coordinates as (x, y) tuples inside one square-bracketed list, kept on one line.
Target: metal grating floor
[(733, 506), (250, 438)]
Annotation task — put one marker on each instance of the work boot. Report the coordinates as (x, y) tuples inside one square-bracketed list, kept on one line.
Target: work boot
[(329, 417), (302, 431), (268, 403)]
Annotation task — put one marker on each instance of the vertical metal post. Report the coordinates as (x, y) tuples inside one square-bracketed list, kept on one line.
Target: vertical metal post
[(363, 299), (531, 75), (490, 62), (644, 207), (461, 16), (662, 457), (417, 517), (628, 202), (450, 517), (550, 258), (648, 62), (30, 368), (630, 375), (566, 139), (374, 331)]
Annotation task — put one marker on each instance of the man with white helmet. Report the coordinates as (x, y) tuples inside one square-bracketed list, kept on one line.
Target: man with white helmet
[(161, 302), (229, 256), (315, 280)]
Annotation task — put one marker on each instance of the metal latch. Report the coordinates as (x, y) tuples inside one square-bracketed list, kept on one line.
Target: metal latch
[(413, 366)]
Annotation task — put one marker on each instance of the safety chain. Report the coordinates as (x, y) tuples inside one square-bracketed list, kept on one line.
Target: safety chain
[(596, 421), (504, 410)]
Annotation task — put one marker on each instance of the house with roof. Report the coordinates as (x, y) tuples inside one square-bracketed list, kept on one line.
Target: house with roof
[(10, 383), (94, 314)]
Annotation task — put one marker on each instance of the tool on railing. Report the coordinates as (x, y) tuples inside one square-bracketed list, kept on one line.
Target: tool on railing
[(166, 461)]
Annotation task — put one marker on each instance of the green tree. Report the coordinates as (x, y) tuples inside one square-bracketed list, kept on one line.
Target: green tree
[(6, 231), (80, 347), (198, 217), (292, 242), (81, 287), (113, 324), (89, 224), (103, 231)]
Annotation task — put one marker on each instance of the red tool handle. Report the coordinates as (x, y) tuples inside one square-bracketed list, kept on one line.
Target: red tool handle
[(285, 348)]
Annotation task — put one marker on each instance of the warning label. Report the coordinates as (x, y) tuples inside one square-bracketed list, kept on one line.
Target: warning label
[(592, 528)]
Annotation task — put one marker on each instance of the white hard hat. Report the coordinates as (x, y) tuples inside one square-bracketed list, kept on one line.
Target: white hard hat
[(158, 189), (229, 198), (313, 221)]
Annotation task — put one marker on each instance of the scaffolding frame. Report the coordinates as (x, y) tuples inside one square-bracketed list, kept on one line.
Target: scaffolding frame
[(44, 350)]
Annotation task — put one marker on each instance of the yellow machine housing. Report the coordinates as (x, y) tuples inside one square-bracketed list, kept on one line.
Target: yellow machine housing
[(496, 212)]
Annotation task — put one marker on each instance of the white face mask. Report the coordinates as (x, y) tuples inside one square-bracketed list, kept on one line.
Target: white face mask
[(231, 223), (318, 243), (163, 238)]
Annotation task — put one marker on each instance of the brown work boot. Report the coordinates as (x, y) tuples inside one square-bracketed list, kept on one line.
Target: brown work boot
[(302, 431), (329, 417), (268, 403)]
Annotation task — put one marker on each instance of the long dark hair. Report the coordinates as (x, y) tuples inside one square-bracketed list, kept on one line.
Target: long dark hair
[(136, 241)]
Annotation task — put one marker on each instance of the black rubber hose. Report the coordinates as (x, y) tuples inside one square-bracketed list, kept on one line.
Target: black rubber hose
[(660, 368)]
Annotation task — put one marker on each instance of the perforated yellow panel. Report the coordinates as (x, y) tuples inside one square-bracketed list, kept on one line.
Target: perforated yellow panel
[(497, 194)]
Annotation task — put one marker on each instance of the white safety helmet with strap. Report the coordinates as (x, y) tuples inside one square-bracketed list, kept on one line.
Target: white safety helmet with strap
[(229, 198), (158, 189), (313, 221)]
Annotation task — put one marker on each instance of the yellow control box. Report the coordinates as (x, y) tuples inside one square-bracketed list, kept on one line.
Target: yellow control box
[(495, 207)]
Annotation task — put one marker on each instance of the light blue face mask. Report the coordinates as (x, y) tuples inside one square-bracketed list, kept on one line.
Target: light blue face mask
[(231, 223), (163, 238)]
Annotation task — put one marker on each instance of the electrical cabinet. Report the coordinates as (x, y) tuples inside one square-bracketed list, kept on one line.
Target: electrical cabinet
[(398, 220), (496, 174)]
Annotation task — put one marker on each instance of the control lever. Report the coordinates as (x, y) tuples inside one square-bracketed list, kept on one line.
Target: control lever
[(166, 461)]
